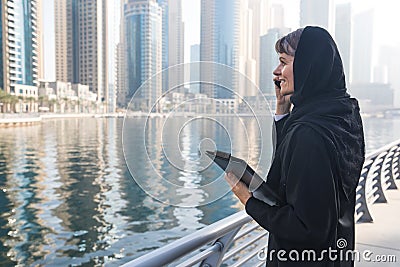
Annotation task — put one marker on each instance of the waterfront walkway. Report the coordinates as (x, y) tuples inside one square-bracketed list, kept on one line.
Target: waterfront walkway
[(18, 119), (382, 236)]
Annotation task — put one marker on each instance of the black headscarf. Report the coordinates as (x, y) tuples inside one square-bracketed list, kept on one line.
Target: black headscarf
[(320, 101)]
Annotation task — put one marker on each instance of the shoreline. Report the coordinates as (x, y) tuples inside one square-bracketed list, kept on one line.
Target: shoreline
[(10, 120)]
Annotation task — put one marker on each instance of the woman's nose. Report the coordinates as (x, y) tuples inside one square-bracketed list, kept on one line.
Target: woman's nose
[(277, 71)]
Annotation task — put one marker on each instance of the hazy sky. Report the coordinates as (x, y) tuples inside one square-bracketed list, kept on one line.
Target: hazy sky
[(387, 21)]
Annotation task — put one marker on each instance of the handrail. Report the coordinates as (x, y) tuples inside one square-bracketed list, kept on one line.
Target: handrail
[(371, 185), (189, 243), (380, 170)]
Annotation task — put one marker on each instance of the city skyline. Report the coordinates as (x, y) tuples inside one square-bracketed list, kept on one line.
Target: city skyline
[(85, 52), (385, 12)]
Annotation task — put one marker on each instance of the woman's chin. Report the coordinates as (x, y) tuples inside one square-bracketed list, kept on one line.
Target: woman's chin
[(286, 91)]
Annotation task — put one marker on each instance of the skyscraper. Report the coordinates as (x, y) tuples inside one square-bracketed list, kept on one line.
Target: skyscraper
[(172, 42), (219, 41), (121, 87), (247, 61), (277, 16), (81, 44), (388, 62), (343, 34), (19, 43), (317, 12), (362, 47), (65, 54), (176, 38), (143, 47), (269, 59), (194, 71), (121, 79), (165, 41), (259, 25)]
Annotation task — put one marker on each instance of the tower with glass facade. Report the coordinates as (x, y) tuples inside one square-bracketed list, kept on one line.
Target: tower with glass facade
[(19, 43), (219, 41), (143, 47)]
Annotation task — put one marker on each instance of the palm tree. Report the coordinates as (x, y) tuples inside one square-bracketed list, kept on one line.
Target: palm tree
[(52, 105), (8, 101), (32, 101)]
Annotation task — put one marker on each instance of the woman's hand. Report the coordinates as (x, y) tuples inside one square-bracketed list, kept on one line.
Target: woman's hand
[(283, 104), (238, 188)]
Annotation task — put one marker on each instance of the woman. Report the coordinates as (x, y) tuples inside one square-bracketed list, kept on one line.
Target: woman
[(318, 158)]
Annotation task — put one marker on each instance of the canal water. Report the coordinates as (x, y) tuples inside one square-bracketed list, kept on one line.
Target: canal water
[(92, 191)]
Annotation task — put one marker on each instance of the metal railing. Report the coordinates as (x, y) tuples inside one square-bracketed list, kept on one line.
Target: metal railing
[(379, 172), (237, 239)]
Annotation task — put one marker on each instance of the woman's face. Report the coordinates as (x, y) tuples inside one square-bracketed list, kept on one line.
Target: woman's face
[(284, 73)]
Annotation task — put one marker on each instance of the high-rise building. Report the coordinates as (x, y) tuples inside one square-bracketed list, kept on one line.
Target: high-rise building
[(388, 63), (81, 44), (121, 79), (143, 48), (277, 16), (318, 13), (247, 61), (172, 42), (194, 71), (219, 42), (113, 38), (269, 59), (65, 54), (361, 63), (165, 41), (20, 45), (176, 45), (120, 61), (343, 35), (40, 37), (259, 25)]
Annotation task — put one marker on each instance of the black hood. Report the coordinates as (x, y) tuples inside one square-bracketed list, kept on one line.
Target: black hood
[(321, 102), (317, 67)]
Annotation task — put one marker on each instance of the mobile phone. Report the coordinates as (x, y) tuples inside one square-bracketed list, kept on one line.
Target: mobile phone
[(278, 83)]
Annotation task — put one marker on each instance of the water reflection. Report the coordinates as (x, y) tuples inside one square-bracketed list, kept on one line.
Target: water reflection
[(171, 165), (67, 197)]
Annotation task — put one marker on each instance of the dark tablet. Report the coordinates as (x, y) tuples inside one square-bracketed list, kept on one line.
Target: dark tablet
[(247, 175)]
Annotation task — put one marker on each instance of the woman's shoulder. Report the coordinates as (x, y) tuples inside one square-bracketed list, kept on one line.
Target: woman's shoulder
[(305, 135)]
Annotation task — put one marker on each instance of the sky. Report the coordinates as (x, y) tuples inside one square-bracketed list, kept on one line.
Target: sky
[(387, 21), (387, 18)]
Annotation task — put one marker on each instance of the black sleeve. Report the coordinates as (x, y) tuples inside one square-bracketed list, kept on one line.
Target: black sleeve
[(310, 212), (277, 131)]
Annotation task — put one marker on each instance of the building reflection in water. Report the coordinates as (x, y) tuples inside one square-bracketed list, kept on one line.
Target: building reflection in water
[(68, 198)]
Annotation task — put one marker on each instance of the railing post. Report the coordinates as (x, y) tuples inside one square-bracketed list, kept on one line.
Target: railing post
[(396, 163), (387, 177), (376, 180), (224, 242), (362, 200)]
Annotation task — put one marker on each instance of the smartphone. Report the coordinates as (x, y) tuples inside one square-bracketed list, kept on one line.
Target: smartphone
[(278, 83)]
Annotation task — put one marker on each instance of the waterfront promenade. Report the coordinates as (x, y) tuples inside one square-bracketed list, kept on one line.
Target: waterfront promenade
[(377, 233), (382, 236), (16, 119)]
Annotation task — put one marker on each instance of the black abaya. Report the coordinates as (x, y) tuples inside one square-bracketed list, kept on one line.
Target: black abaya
[(317, 163)]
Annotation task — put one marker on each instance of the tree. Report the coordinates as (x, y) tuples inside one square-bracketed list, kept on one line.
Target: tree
[(8, 101)]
